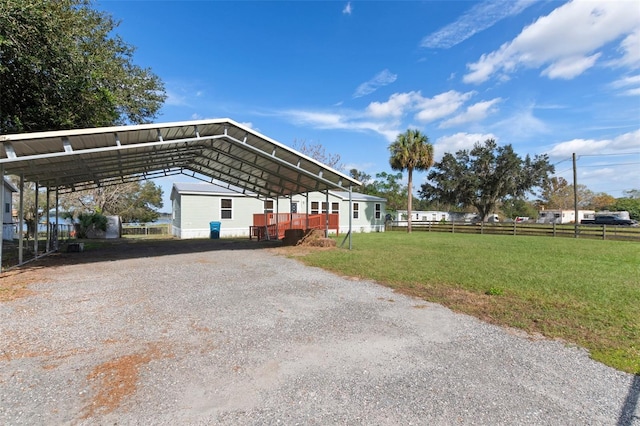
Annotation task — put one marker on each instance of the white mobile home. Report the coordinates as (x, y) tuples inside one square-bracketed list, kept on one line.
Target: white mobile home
[(196, 205), (563, 216), (423, 216), (8, 227)]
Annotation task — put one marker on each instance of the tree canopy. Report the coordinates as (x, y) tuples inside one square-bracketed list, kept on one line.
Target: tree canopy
[(318, 152), (557, 193), (411, 151), (61, 67), (134, 202), (483, 176)]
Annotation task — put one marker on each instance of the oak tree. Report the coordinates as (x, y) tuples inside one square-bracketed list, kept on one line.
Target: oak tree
[(483, 176)]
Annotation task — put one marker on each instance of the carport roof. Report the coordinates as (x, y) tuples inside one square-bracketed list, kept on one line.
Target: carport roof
[(216, 150)]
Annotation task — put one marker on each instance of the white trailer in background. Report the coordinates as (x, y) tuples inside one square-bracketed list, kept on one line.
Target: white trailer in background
[(563, 216)]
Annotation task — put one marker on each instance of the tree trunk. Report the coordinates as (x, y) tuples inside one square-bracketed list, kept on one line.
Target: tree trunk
[(409, 184)]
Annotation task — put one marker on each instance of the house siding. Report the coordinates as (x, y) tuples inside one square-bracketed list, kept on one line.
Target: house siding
[(193, 210)]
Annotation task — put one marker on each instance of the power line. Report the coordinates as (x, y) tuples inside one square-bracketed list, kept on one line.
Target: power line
[(612, 164), (608, 155)]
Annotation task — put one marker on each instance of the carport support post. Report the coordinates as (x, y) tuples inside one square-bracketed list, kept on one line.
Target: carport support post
[(307, 211), (48, 233), (326, 216), (277, 218), (350, 212), (35, 220), (57, 232), (21, 221)]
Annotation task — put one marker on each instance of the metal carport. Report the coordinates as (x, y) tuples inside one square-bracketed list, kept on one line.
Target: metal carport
[(219, 151)]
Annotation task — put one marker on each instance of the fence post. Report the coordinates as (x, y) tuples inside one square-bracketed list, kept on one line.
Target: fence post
[(514, 227), (604, 232), (453, 226), (554, 229)]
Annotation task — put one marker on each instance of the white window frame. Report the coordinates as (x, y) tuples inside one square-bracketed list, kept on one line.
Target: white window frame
[(378, 210), (356, 210)]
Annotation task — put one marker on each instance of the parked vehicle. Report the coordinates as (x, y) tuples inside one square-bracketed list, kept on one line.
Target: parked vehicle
[(609, 220)]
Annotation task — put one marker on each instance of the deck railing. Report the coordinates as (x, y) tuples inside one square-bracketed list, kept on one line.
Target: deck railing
[(265, 224)]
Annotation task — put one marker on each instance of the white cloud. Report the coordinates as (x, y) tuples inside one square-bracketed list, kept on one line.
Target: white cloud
[(425, 109), (480, 17), (474, 113), (624, 143), (627, 81), (381, 79), (175, 99), (395, 106), (347, 9), (441, 105), (386, 118), (521, 123), (457, 142), (568, 68), (575, 32), (627, 84), (346, 121), (630, 48)]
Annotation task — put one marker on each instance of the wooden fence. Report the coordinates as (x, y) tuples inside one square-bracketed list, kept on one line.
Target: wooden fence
[(602, 232)]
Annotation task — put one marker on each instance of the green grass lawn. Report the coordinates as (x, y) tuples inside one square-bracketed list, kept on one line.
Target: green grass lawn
[(583, 291)]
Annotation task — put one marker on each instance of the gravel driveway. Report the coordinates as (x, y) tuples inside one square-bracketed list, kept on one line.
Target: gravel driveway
[(216, 332)]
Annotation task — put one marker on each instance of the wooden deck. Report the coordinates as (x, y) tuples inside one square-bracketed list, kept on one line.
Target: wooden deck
[(273, 225)]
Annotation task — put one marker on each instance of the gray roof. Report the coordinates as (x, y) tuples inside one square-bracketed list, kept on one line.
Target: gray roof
[(356, 196), (10, 186), (206, 188), (220, 150)]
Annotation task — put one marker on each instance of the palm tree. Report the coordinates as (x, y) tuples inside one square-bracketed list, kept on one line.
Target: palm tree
[(411, 151)]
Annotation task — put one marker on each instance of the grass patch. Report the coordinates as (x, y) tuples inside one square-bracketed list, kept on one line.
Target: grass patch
[(583, 291)]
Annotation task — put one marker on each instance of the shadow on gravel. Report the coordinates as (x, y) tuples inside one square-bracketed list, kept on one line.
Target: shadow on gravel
[(627, 416), (124, 248)]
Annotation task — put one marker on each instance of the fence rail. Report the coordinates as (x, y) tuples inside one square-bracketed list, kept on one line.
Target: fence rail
[(146, 229), (602, 232)]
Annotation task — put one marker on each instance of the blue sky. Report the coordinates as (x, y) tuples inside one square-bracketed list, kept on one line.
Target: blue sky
[(550, 77)]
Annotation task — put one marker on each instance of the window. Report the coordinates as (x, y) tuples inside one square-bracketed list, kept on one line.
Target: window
[(324, 207), (268, 206), (314, 207), (356, 210), (226, 208), (335, 208), (378, 211), (7, 207)]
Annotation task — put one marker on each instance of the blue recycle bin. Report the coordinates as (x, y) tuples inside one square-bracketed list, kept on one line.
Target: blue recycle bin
[(214, 227)]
